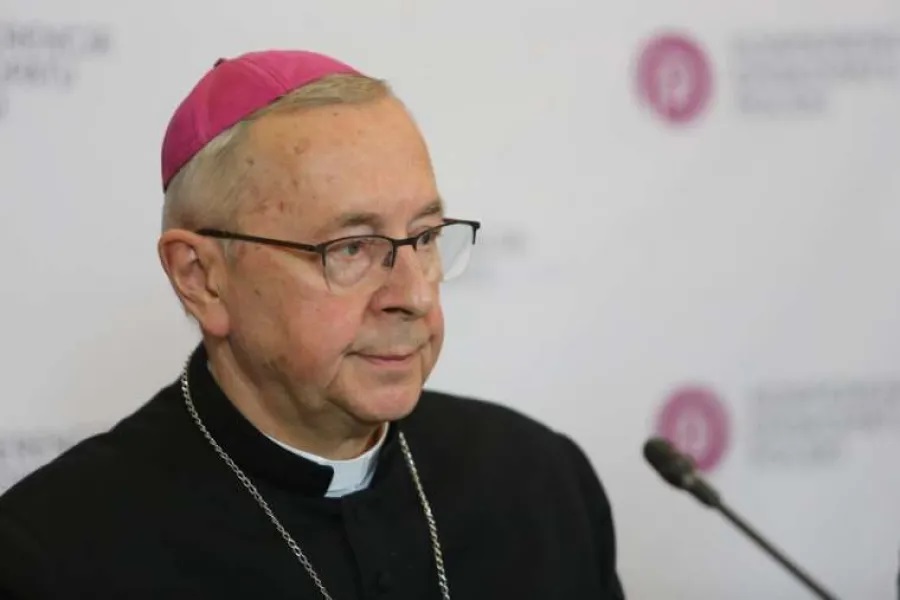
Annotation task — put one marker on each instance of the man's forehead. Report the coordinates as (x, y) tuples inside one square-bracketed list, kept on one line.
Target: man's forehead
[(317, 139), (314, 174), (317, 121)]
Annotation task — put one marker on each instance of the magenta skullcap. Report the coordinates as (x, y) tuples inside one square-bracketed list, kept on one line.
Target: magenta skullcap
[(233, 90)]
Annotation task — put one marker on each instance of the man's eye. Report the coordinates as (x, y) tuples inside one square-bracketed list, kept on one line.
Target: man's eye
[(350, 249), (429, 237)]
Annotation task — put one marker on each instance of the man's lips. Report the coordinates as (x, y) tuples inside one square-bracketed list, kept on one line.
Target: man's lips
[(388, 358)]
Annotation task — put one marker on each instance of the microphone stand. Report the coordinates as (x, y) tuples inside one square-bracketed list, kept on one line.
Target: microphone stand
[(773, 552), (679, 471)]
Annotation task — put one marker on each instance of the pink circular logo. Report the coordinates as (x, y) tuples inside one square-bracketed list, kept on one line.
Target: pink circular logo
[(694, 421), (674, 78)]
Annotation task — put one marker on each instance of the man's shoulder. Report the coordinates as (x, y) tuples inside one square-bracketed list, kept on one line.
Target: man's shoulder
[(481, 440), (488, 427), (453, 411), (95, 467), (496, 463)]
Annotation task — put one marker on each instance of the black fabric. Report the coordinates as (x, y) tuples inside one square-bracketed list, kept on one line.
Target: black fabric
[(148, 510)]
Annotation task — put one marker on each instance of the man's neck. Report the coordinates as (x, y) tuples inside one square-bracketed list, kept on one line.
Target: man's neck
[(328, 433)]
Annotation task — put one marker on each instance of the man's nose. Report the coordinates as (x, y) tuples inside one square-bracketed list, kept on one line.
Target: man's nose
[(407, 287)]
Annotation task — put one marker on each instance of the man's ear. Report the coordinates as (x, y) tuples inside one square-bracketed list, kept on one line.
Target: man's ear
[(196, 269)]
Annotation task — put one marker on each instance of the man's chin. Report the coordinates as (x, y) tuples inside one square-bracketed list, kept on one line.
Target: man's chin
[(384, 405)]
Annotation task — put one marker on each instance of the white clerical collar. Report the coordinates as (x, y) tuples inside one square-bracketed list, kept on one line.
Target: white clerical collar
[(349, 475)]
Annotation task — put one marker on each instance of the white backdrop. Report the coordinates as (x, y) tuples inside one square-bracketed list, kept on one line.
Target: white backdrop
[(751, 250)]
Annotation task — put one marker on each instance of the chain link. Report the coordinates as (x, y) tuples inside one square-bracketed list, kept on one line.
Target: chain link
[(289, 540), (429, 516)]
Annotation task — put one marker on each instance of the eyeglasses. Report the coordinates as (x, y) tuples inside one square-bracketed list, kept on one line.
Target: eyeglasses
[(443, 252)]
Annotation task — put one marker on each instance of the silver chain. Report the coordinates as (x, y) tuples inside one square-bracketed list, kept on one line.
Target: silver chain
[(295, 548), (429, 516)]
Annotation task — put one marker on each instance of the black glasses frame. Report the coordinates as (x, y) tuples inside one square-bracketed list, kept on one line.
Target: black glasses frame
[(322, 249)]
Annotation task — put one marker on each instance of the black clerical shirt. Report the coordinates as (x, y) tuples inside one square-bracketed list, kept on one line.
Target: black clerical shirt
[(149, 510)]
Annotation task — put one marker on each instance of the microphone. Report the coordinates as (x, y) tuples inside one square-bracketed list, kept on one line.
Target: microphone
[(678, 469)]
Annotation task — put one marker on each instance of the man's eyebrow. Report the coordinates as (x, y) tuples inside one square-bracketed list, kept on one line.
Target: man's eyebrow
[(352, 219), (434, 208), (374, 220)]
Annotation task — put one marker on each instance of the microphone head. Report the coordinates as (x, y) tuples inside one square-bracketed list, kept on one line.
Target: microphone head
[(679, 470), (672, 465)]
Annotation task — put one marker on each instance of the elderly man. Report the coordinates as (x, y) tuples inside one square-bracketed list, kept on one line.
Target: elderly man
[(297, 455)]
